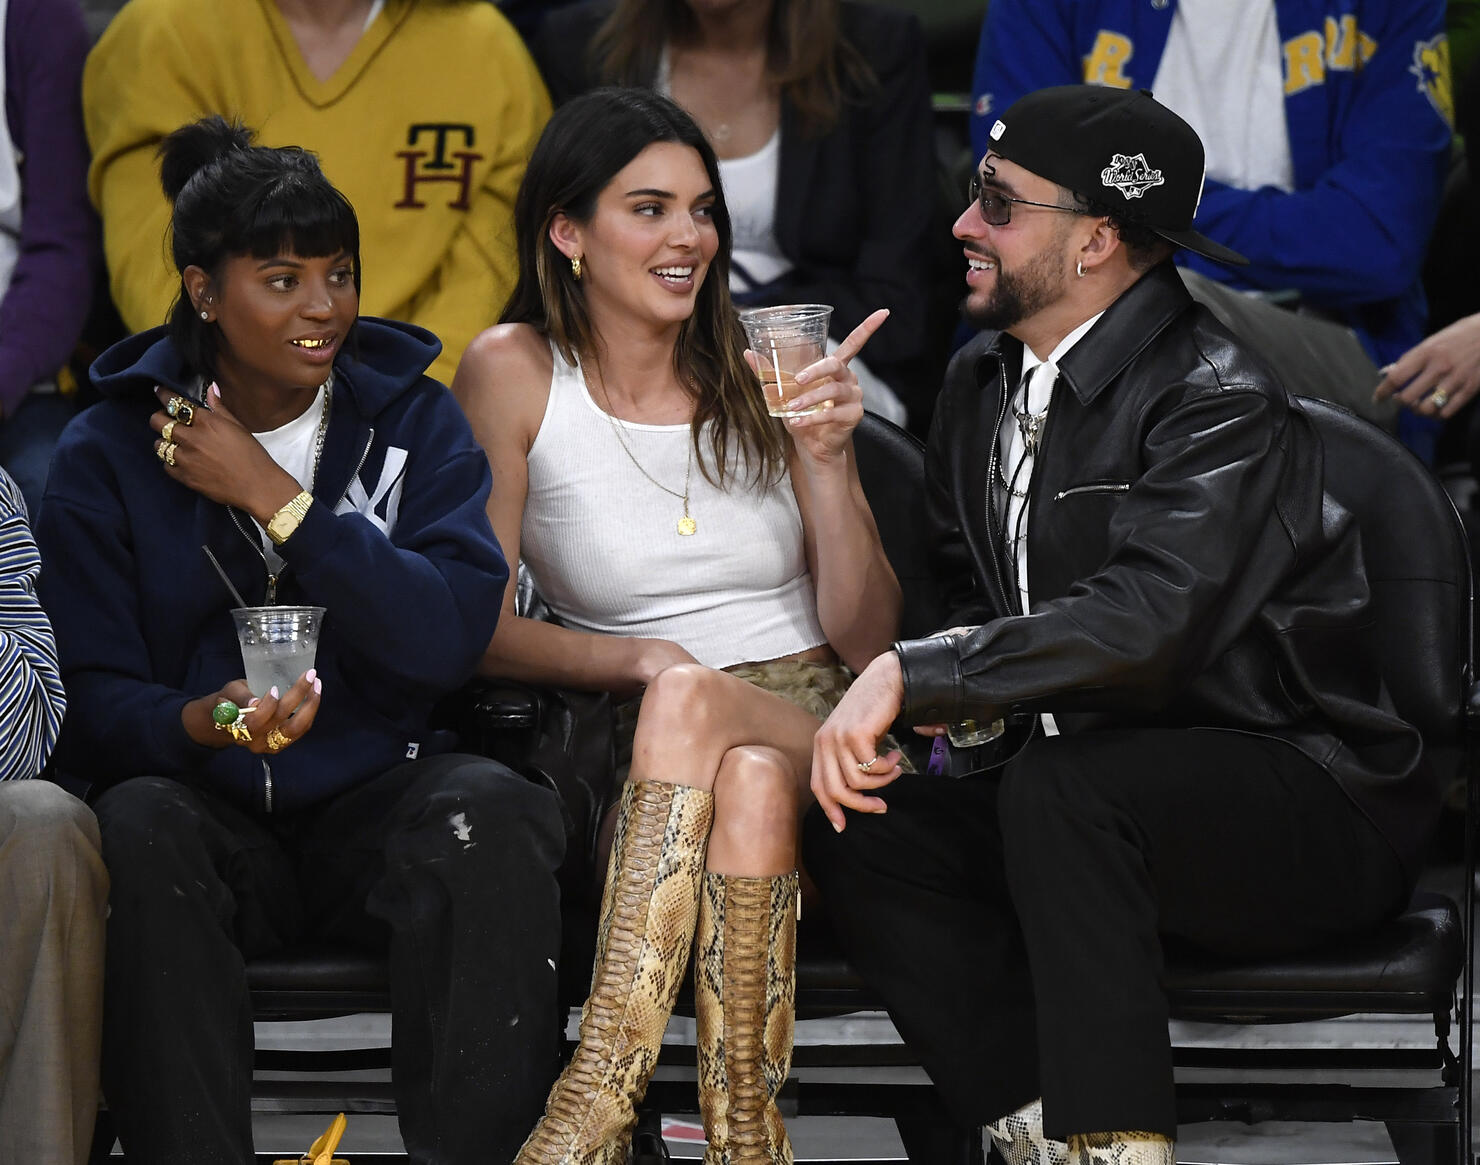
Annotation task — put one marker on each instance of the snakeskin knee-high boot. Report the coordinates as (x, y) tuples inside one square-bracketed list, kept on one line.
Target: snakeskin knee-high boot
[(1124, 1148), (642, 950), (745, 1007), (1019, 1138)]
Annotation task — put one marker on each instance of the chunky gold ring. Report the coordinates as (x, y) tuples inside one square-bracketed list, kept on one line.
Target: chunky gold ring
[(827, 404), (277, 740), (239, 731), (1439, 397), (865, 766), (167, 430), (165, 451), (181, 409)]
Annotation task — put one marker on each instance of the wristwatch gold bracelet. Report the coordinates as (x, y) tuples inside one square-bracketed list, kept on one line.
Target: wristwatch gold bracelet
[(281, 525)]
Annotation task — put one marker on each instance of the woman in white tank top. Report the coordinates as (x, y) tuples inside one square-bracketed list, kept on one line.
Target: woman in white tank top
[(699, 554)]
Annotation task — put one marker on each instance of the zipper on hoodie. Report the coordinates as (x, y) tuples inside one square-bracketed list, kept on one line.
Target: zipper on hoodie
[(272, 584)]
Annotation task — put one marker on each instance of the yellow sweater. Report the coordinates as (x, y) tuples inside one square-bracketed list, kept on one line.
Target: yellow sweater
[(426, 128)]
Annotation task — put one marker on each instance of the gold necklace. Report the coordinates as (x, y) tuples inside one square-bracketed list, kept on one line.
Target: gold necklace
[(686, 524)]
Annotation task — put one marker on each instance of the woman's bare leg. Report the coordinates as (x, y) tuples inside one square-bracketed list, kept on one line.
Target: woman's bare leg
[(691, 716), (756, 805)]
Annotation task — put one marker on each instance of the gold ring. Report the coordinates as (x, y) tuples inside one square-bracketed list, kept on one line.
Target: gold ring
[(239, 731), (1439, 397), (181, 409), (166, 452), (167, 431), (865, 766), (827, 404), (277, 740)]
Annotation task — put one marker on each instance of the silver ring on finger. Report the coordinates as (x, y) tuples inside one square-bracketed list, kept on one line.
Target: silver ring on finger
[(866, 766), (1439, 398)]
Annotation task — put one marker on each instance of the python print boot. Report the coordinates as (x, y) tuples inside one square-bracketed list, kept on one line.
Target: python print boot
[(745, 1008), (1019, 1138), (1128, 1148), (642, 951)]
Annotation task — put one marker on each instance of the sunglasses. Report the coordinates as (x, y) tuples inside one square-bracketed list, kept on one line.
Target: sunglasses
[(996, 207)]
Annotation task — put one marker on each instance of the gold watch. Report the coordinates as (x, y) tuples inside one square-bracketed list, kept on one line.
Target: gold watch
[(281, 525)]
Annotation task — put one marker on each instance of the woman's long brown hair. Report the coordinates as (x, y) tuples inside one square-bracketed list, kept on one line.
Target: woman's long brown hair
[(583, 147), (815, 67)]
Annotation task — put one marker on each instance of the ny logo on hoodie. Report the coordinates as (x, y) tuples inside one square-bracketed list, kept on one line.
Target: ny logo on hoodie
[(380, 507)]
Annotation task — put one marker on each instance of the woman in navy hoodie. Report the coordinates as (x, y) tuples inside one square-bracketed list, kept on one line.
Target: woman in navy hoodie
[(305, 449)]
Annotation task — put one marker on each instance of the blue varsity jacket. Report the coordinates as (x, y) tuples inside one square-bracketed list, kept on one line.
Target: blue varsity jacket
[(1369, 108)]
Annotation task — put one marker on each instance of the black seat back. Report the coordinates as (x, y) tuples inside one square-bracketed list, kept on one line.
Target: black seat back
[(891, 466), (1418, 567)]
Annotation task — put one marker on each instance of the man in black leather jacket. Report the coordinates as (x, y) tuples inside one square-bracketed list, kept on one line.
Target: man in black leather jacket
[(1142, 568)]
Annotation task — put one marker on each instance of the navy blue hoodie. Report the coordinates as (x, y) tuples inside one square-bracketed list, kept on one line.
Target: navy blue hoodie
[(397, 547)]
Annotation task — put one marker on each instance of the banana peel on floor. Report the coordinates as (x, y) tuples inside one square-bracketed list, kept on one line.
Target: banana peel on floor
[(321, 1152)]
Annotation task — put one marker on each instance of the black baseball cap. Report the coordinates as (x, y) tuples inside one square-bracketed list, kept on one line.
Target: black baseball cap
[(1119, 147)]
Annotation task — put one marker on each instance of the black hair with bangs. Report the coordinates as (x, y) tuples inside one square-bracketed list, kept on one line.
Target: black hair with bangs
[(232, 198)]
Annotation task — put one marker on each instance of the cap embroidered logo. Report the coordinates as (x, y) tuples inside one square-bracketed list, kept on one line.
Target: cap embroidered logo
[(1130, 174)]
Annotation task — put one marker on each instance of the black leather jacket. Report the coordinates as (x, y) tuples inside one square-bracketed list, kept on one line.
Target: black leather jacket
[(1186, 568)]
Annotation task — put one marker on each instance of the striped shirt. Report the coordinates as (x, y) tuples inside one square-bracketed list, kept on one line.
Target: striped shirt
[(31, 697)]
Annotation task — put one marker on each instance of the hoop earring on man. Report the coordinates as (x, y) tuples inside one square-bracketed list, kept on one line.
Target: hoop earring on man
[(1079, 267)]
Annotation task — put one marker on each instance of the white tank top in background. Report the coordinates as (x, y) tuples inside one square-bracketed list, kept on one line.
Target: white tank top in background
[(1222, 72), (750, 195), (602, 541)]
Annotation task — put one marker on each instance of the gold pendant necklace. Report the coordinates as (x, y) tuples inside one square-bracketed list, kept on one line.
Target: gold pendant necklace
[(686, 524)]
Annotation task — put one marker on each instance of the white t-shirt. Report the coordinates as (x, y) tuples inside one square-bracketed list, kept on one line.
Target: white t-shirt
[(292, 448), (1222, 72)]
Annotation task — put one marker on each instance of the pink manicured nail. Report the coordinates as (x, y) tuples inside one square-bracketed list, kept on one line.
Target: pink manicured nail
[(311, 674), (273, 692), (318, 687)]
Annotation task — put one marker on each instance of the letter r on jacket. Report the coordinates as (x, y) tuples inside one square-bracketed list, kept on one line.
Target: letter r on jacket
[(1106, 62)]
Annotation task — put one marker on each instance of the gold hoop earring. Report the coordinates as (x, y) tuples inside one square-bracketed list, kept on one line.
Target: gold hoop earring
[(575, 268)]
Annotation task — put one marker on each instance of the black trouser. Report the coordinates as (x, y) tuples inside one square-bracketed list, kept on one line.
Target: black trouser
[(1014, 927), (447, 862)]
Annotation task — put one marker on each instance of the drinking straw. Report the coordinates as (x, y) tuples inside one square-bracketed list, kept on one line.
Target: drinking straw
[(235, 594)]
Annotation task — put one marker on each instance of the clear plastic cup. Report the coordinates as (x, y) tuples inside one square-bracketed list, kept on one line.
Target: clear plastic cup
[(278, 644), (785, 340), (972, 734)]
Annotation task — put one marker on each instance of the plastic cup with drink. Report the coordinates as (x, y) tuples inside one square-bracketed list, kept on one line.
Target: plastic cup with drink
[(785, 340), (278, 644), (970, 733)]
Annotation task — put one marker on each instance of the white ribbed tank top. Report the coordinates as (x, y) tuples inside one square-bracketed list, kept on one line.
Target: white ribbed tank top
[(602, 541)]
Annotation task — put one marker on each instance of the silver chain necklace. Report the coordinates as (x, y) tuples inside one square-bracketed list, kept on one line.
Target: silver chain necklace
[(327, 388)]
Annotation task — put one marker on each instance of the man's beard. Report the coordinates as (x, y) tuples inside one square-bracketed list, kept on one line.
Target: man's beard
[(1019, 294)]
